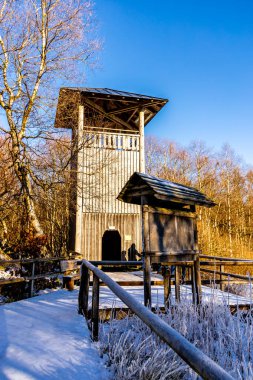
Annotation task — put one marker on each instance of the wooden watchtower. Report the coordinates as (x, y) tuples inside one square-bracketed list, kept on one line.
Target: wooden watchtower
[(108, 147), (169, 224)]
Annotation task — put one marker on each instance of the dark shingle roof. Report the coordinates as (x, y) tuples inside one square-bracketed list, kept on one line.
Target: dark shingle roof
[(119, 109), (113, 93), (159, 190)]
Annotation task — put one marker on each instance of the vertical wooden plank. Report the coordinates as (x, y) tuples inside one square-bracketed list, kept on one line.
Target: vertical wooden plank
[(194, 300), (197, 279), (32, 281), (95, 308), (146, 249), (167, 285), (177, 282), (221, 277), (147, 281), (79, 195), (141, 129), (83, 296)]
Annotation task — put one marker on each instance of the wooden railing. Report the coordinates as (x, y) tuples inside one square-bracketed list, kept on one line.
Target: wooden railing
[(32, 276), (220, 262), (195, 358)]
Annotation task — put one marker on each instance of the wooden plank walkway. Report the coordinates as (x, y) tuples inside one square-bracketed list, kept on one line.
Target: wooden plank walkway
[(43, 338)]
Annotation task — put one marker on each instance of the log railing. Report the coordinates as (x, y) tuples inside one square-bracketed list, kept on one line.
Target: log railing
[(32, 276), (195, 358), (221, 262)]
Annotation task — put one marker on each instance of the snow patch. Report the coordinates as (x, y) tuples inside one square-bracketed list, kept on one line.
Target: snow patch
[(44, 338)]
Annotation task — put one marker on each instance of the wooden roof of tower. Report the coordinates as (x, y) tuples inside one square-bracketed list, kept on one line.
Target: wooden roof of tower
[(161, 193), (118, 108)]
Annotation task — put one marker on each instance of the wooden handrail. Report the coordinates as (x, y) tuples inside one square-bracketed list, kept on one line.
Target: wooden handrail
[(114, 263), (239, 276), (37, 260), (31, 278), (227, 263), (220, 258), (195, 358)]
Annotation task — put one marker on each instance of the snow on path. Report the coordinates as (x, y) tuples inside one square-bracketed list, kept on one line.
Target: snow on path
[(107, 298), (44, 338)]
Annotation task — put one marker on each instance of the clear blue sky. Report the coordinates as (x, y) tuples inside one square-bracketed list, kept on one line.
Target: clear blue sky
[(199, 54)]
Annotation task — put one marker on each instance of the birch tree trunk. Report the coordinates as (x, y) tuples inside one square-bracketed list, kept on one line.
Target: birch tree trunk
[(41, 41)]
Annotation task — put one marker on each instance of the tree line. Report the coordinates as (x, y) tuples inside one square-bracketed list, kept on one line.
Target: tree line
[(227, 228)]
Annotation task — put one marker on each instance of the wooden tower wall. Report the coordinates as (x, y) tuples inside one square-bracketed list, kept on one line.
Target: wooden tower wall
[(105, 162), (109, 159)]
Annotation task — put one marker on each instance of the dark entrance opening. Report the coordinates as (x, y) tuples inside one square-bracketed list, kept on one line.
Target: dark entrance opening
[(111, 245)]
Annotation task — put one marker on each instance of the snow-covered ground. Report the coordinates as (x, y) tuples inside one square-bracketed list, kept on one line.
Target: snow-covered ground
[(108, 298), (44, 338)]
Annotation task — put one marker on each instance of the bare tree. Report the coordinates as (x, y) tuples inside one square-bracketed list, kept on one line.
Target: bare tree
[(41, 42)]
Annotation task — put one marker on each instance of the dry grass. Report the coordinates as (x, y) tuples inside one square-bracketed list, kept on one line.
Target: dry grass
[(133, 352)]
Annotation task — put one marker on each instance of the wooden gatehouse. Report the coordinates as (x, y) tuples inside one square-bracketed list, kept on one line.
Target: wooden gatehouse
[(108, 147), (168, 224)]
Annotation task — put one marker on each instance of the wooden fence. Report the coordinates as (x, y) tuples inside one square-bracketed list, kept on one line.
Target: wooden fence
[(219, 275), (195, 358), (33, 267)]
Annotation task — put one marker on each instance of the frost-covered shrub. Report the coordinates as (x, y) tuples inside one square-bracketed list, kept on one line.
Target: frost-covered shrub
[(244, 290), (135, 353)]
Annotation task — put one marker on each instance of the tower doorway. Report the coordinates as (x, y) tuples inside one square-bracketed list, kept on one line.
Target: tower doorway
[(111, 245)]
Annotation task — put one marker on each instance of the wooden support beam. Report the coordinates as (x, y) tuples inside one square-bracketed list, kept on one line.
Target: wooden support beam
[(167, 285), (146, 263), (32, 281), (147, 281), (221, 278), (114, 118), (83, 298), (79, 214), (95, 308), (193, 283), (142, 145), (177, 282), (197, 280)]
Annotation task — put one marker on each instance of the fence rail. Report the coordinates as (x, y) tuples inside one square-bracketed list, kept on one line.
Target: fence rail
[(221, 262), (33, 276), (195, 358)]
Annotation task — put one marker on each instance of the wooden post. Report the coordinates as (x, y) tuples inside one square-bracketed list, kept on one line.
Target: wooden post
[(147, 281), (141, 131), (83, 298), (197, 279), (177, 282), (32, 281), (79, 214), (193, 285), (68, 282), (167, 285), (95, 308), (146, 264), (221, 278)]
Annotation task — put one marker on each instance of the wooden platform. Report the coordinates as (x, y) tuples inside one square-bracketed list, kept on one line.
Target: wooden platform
[(134, 278)]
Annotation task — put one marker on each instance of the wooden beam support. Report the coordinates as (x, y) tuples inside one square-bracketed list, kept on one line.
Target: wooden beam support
[(147, 263), (197, 280), (177, 282), (95, 308), (129, 108), (114, 118), (83, 299), (167, 285), (79, 176), (142, 145)]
